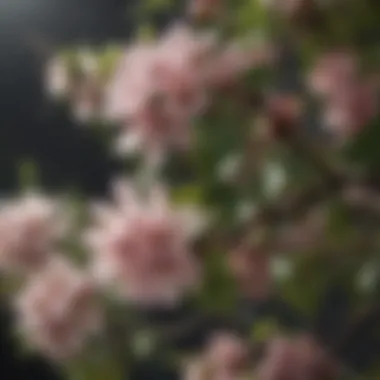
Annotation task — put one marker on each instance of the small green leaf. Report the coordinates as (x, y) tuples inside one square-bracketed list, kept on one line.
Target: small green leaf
[(251, 14), (282, 269), (274, 180), (28, 174), (96, 367), (264, 329), (188, 194), (146, 32), (144, 343), (109, 60), (219, 288), (365, 148), (309, 280), (157, 5)]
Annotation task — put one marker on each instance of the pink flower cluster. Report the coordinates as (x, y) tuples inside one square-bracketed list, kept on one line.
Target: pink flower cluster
[(296, 359), (29, 229), (140, 245), (57, 310), (225, 358), (350, 100), (160, 87), (55, 306)]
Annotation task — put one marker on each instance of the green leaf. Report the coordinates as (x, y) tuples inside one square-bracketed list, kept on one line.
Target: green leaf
[(97, 365), (109, 59), (219, 291), (258, 77), (219, 134), (144, 343), (274, 180), (28, 174), (188, 194), (251, 14), (146, 32), (368, 276), (282, 268), (264, 329), (365, 148), (308, 282)]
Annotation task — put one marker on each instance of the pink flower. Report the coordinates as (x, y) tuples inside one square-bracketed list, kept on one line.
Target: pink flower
[(132, 84), (225, 358), (29, 228), (141, 246), (157, 125), (252, 272), (350, 109), (333, 72), (183, 58), (297, 359), (159, 88), (226, 352), (350, 101), (57, 310)]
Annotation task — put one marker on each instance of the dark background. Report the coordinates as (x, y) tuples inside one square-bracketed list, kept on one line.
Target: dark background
[(30, 127)]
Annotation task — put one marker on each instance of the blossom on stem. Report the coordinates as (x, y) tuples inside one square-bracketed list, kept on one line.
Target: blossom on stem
[(29, 228), (332, 72), (225, 358), (295, 359), (141, 246), (159, 87), (349, 100), (57, 310), (350, 109)]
